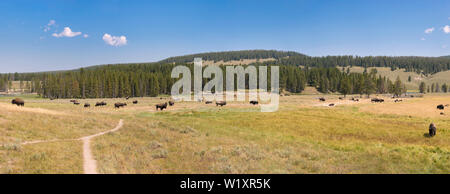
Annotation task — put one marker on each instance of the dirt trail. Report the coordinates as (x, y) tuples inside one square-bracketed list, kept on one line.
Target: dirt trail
[(89, 163)]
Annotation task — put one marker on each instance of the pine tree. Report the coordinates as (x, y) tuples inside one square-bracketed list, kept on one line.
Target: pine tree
[(422, 87)]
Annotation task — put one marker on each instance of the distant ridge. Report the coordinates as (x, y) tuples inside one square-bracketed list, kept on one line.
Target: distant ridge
[(232, 55)]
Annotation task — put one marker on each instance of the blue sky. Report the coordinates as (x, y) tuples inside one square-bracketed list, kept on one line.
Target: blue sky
[(144, 31)]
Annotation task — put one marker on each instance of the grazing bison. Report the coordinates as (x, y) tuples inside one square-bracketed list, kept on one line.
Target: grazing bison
[(377, 100), (442, 113), (119, 104), (76, 103), (18, 102), (397, 100), (322, 99), (171, 103), (100, 104), (432, 130), (86, 105), (221, 103), (340, 98), (440, 107), (135, 102), (331, 105), (161, 106), (254, 102), (355, 99), (208, 102)]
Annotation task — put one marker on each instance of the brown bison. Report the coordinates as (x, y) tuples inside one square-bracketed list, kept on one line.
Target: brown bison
[(377, 100), (135, 102), (161, 106), (322, 99), (86, 105), (18, 102), (171, 103), (398, 100), (100, 103), (119, 104), (254, 102), (221, 103), (72, 101), (331, 105), (432, 130), (440, 107), (76, 103), (208, 102)]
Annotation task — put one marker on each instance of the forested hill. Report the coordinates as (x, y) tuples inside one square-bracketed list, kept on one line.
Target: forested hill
[(232, 56), (296, 72)]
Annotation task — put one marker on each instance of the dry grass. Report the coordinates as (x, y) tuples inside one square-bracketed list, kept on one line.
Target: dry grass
[(304, 136)]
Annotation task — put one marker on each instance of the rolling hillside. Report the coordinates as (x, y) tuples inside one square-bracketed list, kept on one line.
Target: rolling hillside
[(440, 77)]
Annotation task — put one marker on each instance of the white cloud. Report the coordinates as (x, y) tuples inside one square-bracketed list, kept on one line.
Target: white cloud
[(115, 40), (422, 39), (429, 30), (444, 46), (446, 29), (85, 35), (66, 33), (49, 25)]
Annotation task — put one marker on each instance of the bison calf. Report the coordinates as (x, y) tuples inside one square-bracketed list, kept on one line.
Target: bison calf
[(171, 103), (135, 102), (87, 105)]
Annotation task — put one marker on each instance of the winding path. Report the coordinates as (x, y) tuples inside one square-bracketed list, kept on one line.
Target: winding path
[(89, 163)]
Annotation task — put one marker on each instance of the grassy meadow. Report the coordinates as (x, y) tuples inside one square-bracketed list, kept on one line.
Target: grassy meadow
[(304, 136)]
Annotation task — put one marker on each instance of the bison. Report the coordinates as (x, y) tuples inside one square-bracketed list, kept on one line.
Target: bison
[(100, 103), (254, 102), (161, 106), (76, 103), (119, 104), (72, 101), (331, 105), (87, 105), (440, 107), (171, 103), (377, 100), (135, 102), (221, 103), (432, 130), (18, 102), (208, 102), (397, 100), (322, 99)]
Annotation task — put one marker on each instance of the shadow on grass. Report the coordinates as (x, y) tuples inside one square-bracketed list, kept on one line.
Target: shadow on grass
[(427, 135)]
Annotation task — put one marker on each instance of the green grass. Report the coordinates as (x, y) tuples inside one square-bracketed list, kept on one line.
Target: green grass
[(197, 138), (301, 141)]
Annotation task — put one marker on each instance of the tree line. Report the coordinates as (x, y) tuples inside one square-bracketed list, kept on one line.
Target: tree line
[(139, 80)]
